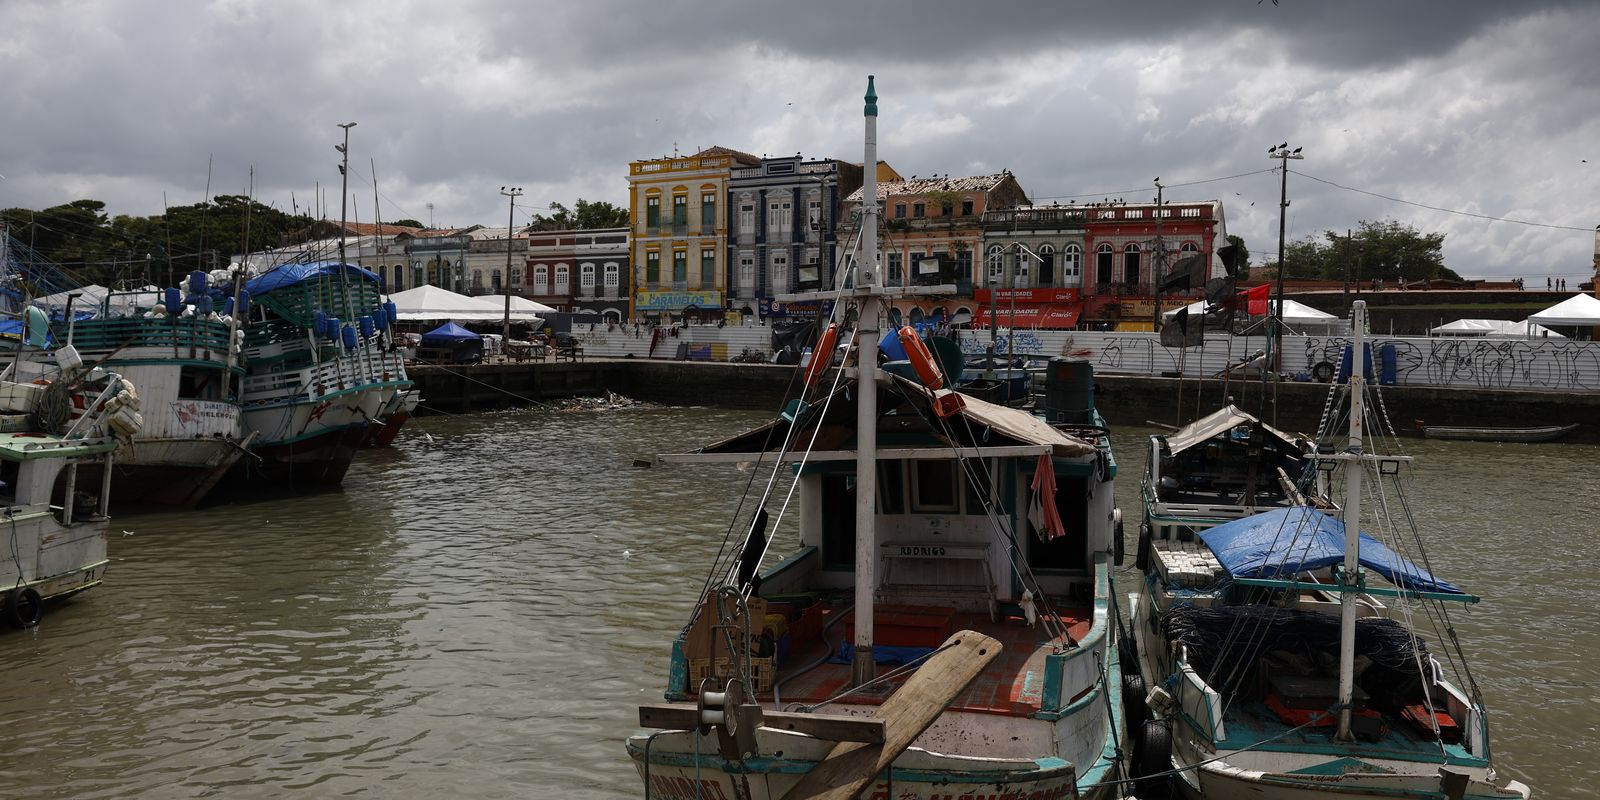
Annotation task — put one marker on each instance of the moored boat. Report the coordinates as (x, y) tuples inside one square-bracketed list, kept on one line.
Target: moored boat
[(1278, 666), (320, 369), (1534, 434), (968, 542)]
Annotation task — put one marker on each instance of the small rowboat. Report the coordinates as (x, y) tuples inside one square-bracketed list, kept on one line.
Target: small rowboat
[(1543, 433)]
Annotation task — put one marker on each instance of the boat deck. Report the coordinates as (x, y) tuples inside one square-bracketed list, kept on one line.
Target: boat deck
[(1012, 685), (1249, 723)]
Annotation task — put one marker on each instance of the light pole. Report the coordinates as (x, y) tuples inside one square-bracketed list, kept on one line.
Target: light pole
[(344, 184), (1157, 268), (1275, 324), (512, 192)]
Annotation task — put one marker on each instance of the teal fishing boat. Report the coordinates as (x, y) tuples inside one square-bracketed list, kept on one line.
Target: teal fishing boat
[(1277, 662), (944, 625)]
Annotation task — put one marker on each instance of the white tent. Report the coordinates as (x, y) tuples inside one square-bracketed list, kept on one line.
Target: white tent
[(89, 299), (1294, 313), (425, 303), (1579, 309), (521, 304), (1495, 329)]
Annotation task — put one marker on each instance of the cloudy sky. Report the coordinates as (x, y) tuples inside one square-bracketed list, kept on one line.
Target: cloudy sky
[(1486, 107)]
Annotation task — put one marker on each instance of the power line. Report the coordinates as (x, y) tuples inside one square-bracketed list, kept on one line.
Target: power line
[(1121, 192), (1444, 210)]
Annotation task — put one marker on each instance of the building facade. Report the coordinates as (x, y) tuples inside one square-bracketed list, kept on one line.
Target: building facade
[(783, 219), (486, 271), (1032, 273), (679, 233), (1129, 247), (580, 270), (934, 220), (439, 258)]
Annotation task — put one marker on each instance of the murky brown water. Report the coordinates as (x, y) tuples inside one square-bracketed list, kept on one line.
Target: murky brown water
[(480, 611)]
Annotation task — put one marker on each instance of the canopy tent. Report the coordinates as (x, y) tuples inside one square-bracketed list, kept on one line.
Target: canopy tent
[(448, 334), (518, 305), (424, 303), (1288, 541), (1226, 419), (1294, 313), (1579, 309), (1494, 328), (89, 299)]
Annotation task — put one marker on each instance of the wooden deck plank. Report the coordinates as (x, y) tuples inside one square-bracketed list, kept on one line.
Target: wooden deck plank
[(849, 766)]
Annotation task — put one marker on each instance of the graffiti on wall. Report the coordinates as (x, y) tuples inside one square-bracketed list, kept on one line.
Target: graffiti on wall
[(1485, 363)]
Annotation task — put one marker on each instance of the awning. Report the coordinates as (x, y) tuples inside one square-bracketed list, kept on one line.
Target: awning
[(1054, 315), (1228, 418)]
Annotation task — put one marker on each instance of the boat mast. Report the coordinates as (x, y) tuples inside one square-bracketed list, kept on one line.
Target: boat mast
[(1352, 518), (863, 669)]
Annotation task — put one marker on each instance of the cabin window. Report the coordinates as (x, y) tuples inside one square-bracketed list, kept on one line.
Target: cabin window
[(892, 487), (196, 384), (1069, 552), (838, 521), (934, 486)]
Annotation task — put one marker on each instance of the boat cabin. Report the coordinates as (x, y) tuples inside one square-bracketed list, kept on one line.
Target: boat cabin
[(1224, 466)]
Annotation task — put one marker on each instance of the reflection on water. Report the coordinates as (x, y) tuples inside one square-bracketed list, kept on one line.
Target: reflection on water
[(480, 610)]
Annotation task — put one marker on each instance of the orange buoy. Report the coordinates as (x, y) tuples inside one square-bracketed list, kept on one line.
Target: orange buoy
[(921, 360), (822, 355)]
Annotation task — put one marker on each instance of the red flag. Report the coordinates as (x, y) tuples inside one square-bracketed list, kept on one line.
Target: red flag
[(1256, 299)]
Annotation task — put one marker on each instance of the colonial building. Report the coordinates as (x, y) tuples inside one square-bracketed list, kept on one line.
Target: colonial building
[(1032, 271), (934, 220), (1131, 245), (580, 270), (487, 249), (679, 223), (439, 257), (781, 231)]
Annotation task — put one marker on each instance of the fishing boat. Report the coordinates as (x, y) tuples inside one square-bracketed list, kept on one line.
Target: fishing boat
[(967, 542), (1221, 467), (185, 357), (394, 414), (320, 368), (1538, 433), (1279, 666), (54, 536)]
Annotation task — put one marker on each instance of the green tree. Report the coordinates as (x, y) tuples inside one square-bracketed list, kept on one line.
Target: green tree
[(1384, 249), (407, 223), (1244, 251), (586, 216)]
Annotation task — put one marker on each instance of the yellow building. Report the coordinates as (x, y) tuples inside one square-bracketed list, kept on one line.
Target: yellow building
[(679, 218)]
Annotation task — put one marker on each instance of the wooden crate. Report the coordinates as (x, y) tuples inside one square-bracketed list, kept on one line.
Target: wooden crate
[(762, 672)]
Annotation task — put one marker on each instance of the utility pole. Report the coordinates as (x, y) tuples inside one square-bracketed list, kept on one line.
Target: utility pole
[(1275, 323), (344, 207), (505, 279), (1159, 267)]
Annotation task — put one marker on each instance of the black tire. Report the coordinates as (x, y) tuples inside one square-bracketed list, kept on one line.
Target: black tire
[(1120, 548), (24, 607), (1127, 651), (1322, 372), (1141, 557), (1133, 710), (1152, 755)]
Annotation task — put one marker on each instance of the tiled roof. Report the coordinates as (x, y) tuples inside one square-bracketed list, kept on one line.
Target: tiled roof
[(737, 155), (917, 186), (374, 229)]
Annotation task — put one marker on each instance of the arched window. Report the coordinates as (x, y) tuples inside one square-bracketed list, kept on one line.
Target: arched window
[(494, 277), (1024, 262), (611, 315), (1072, 265), (613, 274), (562, 286), (1105, 263), (477, 279), (1130, 265), (997, 264), (541, 279), (1189, 247), (1047, 265), (586, 278), (399, 278), (516, 278)]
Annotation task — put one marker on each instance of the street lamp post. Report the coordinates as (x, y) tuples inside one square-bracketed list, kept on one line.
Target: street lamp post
[(512, 192)]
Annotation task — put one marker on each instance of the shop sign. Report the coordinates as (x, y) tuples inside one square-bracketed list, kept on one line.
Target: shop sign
[(676, 301), (1027, 295)]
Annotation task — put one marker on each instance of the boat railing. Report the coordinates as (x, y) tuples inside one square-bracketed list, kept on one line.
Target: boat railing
[(193, 336), (1201, 704), (1072, 673)]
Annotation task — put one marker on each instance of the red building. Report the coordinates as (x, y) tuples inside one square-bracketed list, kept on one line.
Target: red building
[(1124, 243)]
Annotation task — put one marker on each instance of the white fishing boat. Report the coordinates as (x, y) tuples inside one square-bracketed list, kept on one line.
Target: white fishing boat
[(185, 359), (1277, 665), (54, 537), (970, 543), (320, 369)]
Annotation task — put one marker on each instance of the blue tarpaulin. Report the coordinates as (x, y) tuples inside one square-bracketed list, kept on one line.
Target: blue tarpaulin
[(291, 274), (1287, 541), (448, 334)]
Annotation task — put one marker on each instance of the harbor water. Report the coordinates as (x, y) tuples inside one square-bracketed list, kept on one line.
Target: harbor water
[(479, 611)]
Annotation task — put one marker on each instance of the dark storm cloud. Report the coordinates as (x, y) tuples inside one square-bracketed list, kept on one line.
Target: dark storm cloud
[(1480, 106)]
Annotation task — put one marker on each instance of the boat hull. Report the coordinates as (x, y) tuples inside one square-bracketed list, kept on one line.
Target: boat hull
[(1547, 433), (166, 472)]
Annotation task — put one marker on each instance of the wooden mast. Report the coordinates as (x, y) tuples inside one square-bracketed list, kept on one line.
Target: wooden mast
[(863, 668)]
